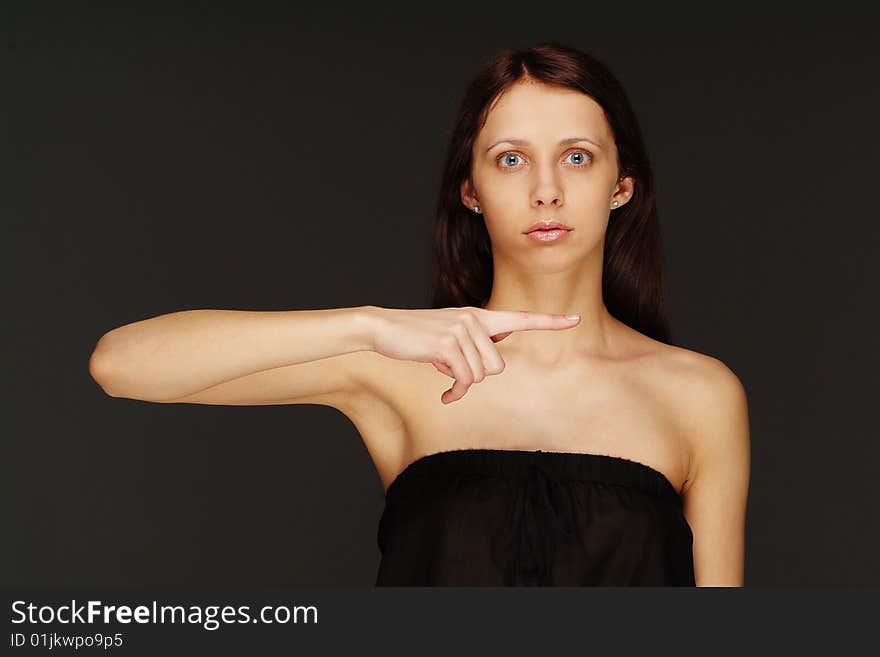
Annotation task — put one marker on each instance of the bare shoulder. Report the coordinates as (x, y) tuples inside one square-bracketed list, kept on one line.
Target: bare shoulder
[(698, 372), (711, 406), (714, 416)]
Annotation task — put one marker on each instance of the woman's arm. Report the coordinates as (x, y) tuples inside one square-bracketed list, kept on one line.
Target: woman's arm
[(176, 356), (715, 500)]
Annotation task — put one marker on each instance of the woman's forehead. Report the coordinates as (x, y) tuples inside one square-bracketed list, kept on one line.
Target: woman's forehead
[(533, 111)]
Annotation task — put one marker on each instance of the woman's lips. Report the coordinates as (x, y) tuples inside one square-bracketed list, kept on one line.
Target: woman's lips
[(553, 235)]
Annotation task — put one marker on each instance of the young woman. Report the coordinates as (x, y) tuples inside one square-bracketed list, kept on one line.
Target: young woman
[(585, 451)]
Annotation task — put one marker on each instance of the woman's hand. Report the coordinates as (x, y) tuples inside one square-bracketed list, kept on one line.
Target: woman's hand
[(459, 342)]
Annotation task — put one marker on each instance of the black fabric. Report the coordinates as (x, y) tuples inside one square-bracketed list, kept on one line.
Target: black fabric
[(493, 517)]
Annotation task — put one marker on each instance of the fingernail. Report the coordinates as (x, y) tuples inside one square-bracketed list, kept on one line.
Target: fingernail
[(572, 317)]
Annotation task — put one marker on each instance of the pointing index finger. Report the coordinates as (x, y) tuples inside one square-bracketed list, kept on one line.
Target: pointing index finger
[(523, 320)]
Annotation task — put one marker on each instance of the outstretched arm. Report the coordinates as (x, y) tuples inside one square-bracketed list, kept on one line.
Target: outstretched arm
[(232, 356)]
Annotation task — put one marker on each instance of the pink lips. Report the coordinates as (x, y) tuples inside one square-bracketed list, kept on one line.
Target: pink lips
[(548, 235), (547, 225), (547, 231)]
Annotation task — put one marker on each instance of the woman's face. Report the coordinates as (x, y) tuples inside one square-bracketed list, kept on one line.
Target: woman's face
[(545, 154)]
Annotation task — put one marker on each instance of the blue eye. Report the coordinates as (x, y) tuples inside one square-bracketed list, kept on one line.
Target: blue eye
[(510, 157), (507, 157)]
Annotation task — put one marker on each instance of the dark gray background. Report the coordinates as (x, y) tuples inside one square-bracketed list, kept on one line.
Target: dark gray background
[(157, 160)]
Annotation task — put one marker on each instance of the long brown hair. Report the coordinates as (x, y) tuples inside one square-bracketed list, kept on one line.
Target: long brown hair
[(632, 272)]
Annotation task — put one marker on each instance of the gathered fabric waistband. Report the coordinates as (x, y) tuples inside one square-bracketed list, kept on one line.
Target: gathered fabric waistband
[(576, 466)]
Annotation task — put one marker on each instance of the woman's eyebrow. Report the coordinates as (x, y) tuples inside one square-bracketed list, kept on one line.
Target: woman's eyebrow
[(524, 142)]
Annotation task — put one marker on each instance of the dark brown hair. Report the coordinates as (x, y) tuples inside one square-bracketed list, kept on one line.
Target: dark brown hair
[(632, 273)]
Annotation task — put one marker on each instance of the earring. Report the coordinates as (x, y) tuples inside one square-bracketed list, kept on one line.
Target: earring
[(615, 204), (477, 209)]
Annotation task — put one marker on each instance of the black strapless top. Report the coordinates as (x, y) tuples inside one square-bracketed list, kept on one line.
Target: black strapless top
[(498, 517)]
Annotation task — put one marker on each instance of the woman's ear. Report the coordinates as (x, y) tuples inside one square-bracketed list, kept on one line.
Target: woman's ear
[(468, 195), (623, 191)]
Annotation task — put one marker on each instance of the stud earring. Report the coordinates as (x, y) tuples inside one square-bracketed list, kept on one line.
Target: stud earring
[(477, 209), (615, 204)]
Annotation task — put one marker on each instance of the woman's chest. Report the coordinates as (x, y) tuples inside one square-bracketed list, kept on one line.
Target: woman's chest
[(614, 411)]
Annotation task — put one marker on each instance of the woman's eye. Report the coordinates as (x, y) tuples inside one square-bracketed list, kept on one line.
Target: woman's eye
[(509, 160), (581, 157), (506, 159)]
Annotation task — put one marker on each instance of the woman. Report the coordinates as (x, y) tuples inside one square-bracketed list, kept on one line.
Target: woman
[(584, 451)]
